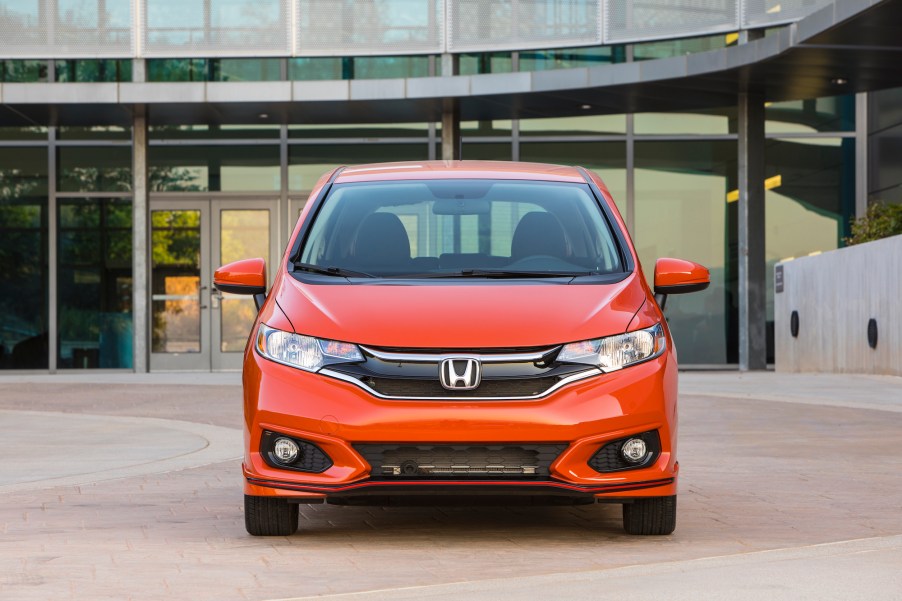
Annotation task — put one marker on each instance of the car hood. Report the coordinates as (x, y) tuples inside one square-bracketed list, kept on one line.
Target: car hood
[(485, 314)]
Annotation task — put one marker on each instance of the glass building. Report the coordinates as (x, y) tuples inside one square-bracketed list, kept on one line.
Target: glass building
[(144, 143)]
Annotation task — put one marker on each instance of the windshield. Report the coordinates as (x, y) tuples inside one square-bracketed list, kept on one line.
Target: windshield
[(469, 228)]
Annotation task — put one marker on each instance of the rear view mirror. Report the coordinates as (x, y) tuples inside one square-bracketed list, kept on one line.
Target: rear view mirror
[(678, 276), (247, 276), (461, 207)]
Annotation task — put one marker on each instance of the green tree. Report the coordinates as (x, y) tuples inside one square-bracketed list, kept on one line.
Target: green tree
[(881, 221)]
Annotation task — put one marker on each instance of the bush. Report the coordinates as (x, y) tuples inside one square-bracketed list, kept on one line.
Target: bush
[(881, 221)]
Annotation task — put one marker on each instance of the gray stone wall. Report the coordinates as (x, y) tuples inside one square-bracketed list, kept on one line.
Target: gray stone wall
[(835, 295)]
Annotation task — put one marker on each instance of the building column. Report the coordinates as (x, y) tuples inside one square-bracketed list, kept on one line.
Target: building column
[(451, 141), (861, 154), (140, 245), (752, 263)]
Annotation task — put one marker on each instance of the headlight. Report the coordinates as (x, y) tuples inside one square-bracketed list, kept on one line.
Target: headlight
[(616, 352), (304, 352)]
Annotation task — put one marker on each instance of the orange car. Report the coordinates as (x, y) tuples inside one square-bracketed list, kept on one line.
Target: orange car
[(459, 329)]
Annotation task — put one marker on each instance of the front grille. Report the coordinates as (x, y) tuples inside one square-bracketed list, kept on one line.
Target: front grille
[(486, 462), (416, 373), (508, 387), (609, 458)]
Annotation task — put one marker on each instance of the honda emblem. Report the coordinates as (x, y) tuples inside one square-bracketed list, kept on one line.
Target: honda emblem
[(460, 373)]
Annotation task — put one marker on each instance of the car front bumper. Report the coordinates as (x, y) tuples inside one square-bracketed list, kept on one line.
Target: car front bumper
[(582, 417)]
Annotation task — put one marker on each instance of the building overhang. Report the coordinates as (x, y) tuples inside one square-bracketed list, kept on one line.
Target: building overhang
[(848, 46)]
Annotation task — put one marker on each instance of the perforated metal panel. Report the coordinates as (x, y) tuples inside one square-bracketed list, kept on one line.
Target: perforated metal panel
[(773, 12), (369, 27), (629, 20), (65, 28), (481, 25), (221, 28), (212, 28)]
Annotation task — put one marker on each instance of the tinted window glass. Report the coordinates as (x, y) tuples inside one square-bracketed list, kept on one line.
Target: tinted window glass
[(455, 226)]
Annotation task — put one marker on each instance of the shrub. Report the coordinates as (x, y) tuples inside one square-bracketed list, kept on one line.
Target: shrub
[(881, 220)]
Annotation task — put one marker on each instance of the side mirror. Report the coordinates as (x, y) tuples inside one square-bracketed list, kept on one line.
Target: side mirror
[(247, 276), (677, 276)]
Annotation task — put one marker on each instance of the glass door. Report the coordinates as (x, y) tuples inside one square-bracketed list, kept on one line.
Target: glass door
[(193, 326), (241, 230), (179, 285)]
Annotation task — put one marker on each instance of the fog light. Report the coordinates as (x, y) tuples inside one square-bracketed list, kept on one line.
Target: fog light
[(634, 450), (286, 450)]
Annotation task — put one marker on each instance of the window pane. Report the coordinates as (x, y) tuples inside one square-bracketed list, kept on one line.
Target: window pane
[(177, 69), (243, 234), (475, 151), (571, 58), (836, 113), (681, 211), (607, 159), (94, 169), (175, 281), (23, 133), (213, 168), (213, 132), (19, 71), (486, 62), (668, 48), (359, 130), (93, 70), (98, 132), (316, 68), (307, 163), (23, 254), (247, 69), (95, 283), (709, 121), (387, 67), (588, 125)]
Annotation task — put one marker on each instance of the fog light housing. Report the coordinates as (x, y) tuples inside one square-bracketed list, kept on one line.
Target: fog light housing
[(285, 450), (634, 450)]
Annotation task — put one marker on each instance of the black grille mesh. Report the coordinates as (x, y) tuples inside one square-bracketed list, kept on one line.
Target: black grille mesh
[(507, 387), (418, 462), (609, 459)]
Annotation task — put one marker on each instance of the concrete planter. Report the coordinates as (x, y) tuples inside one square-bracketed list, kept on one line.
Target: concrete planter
[(848, 307)]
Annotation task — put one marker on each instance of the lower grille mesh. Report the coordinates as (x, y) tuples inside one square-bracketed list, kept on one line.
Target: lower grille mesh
[(418, 462)]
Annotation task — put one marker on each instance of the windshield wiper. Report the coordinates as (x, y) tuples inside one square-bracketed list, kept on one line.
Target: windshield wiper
[(497, 273), (334, 271)]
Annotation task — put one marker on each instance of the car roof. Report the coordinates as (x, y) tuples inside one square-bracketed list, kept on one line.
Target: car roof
[(459, 170)]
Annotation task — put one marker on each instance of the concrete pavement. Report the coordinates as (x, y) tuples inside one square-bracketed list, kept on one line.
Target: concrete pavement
[(791, 488)]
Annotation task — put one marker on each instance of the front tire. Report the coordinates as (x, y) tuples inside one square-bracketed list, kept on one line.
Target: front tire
[(270, 516), (650, 516)]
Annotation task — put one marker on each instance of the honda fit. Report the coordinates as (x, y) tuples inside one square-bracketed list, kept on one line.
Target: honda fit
[(460, 329)]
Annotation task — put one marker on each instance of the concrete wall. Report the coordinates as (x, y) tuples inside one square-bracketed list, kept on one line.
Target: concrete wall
[(836, 294)]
